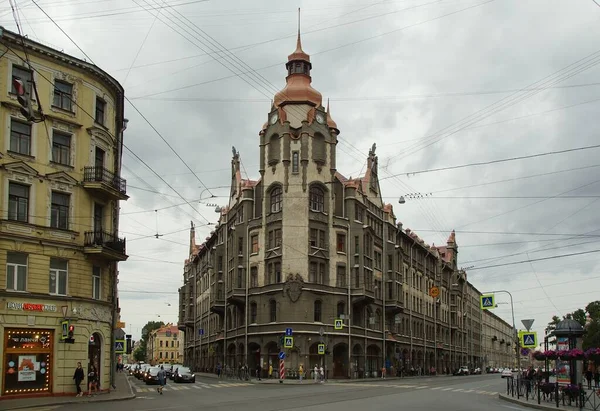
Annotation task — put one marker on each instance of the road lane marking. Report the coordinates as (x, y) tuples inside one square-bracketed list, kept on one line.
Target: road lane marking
[(459, 390), (447, 389)]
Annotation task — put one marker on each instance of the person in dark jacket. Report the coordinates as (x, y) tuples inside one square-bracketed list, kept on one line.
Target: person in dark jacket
[(78, 377)]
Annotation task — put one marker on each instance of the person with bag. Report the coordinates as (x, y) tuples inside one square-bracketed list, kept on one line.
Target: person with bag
[(92, 381), (162, 379), (78, 377)]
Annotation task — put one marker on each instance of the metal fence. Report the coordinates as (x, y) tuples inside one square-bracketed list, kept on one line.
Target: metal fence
[(573, 395)]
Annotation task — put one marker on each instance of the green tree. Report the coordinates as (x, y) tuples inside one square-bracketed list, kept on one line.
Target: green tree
[(577, 315), (552, 324), (139, 355), (148, 328), (593, 309)]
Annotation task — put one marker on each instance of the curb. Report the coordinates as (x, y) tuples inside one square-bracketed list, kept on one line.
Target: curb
[(533, 405), (131, 396)]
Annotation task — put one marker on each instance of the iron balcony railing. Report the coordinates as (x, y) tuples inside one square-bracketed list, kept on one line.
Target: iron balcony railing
[(102, 175), (104, 239)]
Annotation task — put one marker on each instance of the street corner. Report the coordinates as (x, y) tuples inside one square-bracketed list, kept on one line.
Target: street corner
[(527, 404)]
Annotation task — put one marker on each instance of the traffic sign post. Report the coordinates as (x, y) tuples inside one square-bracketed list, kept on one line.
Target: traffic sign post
[(288, 332), (120, 346), (527, 324), (65, 329), (487, 302), (281, 355), (288, 342), (528, 339), (434, 292), (338, 324), (200, 331), (281, 370), (321, 349)]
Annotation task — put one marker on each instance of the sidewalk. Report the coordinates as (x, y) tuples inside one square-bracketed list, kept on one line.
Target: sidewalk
[(122, 392)]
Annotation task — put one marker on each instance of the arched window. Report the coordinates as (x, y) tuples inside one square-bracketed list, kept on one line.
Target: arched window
[(341, 309), (273, 311), (276, 199), (253, 313), (317, 199), (317, 311)]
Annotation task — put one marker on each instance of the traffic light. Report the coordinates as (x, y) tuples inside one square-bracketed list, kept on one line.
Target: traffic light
[(128, 344), (23, 98), (71, 330)]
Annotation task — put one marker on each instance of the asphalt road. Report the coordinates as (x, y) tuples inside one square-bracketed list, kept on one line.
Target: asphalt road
[(474, 393)]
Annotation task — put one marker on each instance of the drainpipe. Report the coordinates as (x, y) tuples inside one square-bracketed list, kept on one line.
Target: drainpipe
[(248, 245), (225, 285), (348, 282)]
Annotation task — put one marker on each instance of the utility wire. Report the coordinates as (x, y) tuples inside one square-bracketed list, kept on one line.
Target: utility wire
[(483, 163), (485, 267)]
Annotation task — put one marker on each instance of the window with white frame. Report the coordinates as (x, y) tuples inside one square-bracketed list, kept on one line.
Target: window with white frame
[(16, 271), (63, 95), (96, 282), (59, 210), (100, 111), (23, 74), (58, 276)]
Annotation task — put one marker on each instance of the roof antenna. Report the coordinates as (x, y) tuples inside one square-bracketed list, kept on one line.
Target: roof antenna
[(299, 43)]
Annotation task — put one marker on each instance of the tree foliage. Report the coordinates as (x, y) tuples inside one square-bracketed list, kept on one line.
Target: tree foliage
[(140, 352), (589, 318)]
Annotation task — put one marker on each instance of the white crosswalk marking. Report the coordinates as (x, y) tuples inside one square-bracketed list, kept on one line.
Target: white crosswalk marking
[(194, 386)]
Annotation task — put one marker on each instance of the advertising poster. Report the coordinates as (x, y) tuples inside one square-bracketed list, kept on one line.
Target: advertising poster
[(563, 368), (27, 368)]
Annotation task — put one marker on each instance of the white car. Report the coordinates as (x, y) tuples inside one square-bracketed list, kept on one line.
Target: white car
[(506, 373)]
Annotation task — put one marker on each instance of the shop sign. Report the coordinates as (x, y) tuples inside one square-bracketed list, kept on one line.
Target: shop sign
[(11, 305)]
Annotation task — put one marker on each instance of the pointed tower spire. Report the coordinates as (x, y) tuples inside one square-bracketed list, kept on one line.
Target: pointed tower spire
[(330, 122), (299, 54)]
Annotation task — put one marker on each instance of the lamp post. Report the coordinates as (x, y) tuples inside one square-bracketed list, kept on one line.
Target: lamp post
[(516, 335)]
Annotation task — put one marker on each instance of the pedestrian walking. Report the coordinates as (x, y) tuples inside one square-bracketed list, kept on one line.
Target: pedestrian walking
[(78, 377), (322, 374), (162, 379), (270, 371), (258, 370), (300, 372), (316, 373), (92, 381)]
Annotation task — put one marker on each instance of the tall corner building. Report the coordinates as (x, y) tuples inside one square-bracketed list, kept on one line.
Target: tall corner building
[(308, 253), (60, 188)]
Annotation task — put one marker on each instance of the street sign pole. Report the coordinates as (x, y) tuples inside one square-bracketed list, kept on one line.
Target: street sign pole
[(515, 331)]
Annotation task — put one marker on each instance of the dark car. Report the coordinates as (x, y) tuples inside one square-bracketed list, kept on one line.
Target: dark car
[(171, 370), (184, 374), (151, 376)]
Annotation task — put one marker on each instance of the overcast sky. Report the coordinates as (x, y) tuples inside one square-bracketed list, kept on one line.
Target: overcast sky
[(433, 83)]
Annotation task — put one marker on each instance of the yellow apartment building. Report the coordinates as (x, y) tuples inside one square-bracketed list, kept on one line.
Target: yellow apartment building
[(165, 345), (60, 188)]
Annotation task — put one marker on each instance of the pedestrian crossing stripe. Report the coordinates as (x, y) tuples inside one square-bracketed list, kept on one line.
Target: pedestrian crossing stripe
[(189, 387)]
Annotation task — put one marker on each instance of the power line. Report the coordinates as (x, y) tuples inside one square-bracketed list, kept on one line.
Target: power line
[(509, 233), (534, 259), (483, 163)]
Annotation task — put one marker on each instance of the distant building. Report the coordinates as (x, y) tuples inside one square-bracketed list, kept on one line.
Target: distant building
[(60, 188), (304, 248), (165, 345)]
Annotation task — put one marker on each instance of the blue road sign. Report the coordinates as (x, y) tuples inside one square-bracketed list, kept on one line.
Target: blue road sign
[(282, 355), (288, 332), (119, 346), (201, 331), (487, 302)]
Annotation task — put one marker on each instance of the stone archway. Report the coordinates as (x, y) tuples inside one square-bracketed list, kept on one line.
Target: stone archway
[(373, 366), (358, 364), (230, 362), (253, 357), (340, 361)]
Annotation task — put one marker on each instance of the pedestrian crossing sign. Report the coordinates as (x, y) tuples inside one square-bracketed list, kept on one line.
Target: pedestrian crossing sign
[(321, 349), (528, 339), (487, 302), (338, 324), (288, 342), (119, 346)]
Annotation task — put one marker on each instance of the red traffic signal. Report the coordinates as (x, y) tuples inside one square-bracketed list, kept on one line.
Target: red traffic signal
[(19, 87), (71, 330)]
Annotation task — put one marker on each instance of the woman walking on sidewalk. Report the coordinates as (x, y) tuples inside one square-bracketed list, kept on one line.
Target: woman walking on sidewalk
[(92, 381), (78, 377)]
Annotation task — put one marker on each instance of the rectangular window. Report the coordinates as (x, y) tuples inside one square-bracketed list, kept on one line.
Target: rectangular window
[(96, 282), (240, 278), (277, 272), (358, 215), (356, 245), (274, 238), (295, 162), (58, 276), (377, 260), (61, 148), (254, 242), (341, 276), (23, 74), (100, 110), (16, 271), (59, 210), (254, 277), (20, 137), (240, 245), (317, 238), (18, 202), (253, 313), (63, 95), (341, 243)]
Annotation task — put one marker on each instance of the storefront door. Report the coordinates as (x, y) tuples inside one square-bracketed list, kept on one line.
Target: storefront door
[(94, 352), (27, 361)]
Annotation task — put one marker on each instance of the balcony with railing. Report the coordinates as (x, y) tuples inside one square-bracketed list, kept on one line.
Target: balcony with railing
[(105, 183), (102, 244)]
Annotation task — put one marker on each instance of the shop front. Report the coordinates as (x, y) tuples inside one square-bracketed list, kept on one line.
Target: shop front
[(27, 361), (36, 359)]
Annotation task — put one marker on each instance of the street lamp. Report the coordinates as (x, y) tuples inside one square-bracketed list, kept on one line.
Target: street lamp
[(516, 335)]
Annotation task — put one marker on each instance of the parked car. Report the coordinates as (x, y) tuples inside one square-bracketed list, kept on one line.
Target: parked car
[(184, 374), (506, 373)]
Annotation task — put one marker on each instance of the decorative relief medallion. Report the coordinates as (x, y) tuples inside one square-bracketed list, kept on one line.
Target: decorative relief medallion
[(293, 287)]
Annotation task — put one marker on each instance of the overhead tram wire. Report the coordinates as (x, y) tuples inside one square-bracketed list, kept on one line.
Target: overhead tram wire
[(140, 113), (485, 267), (540, 85), (319, 52), (124, 145)]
